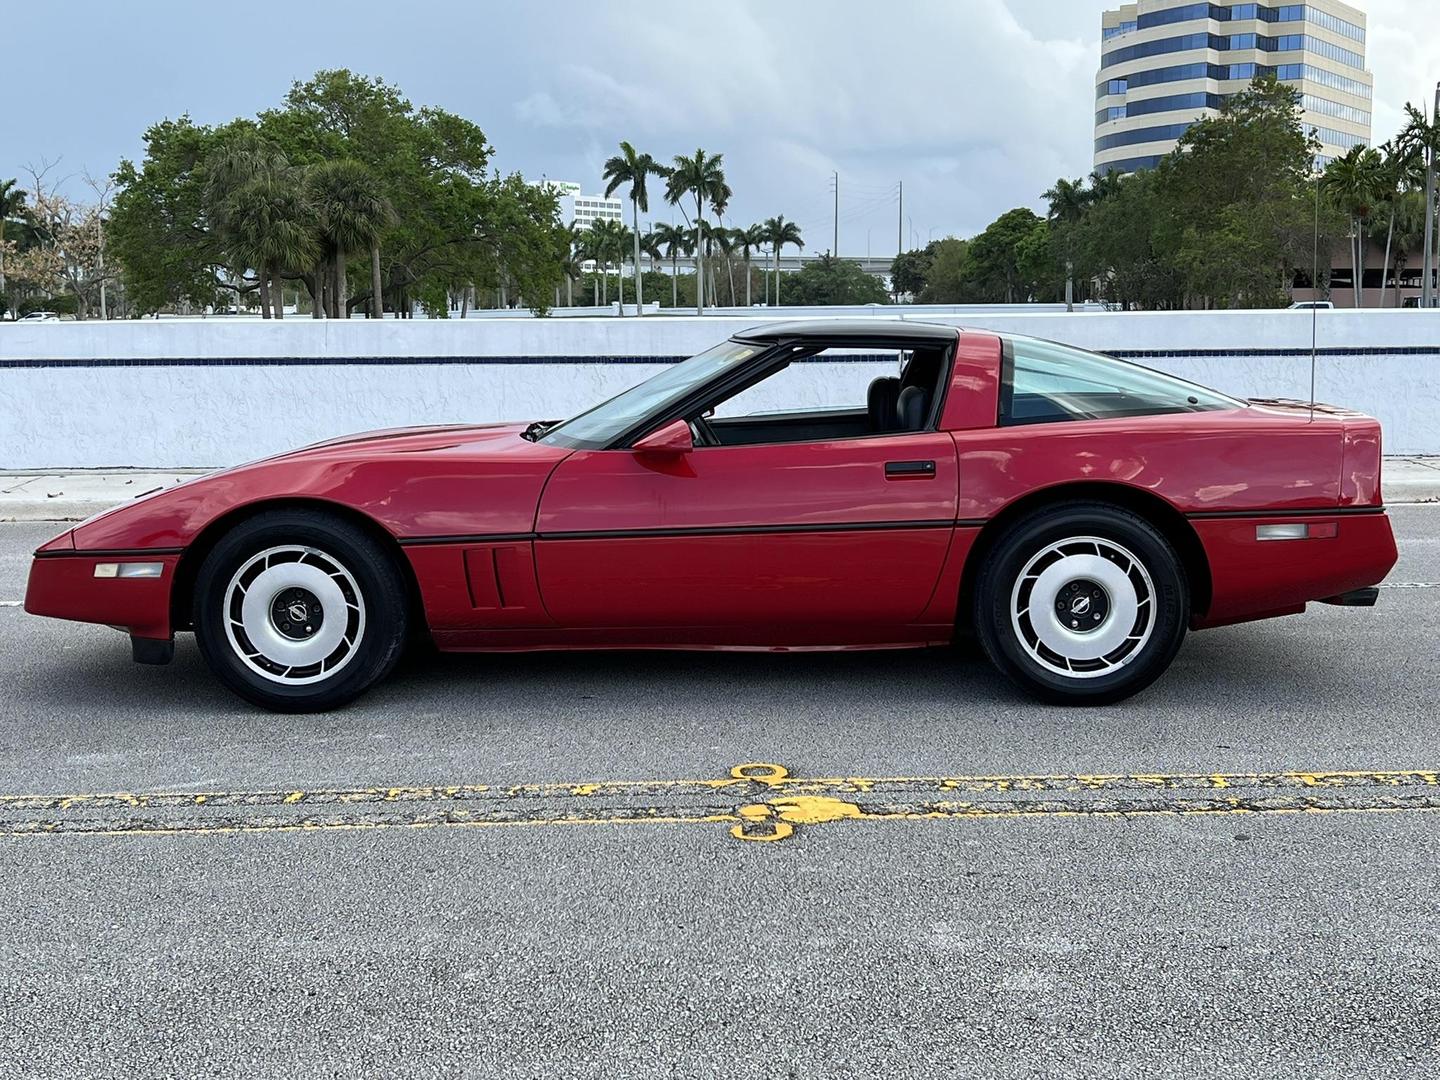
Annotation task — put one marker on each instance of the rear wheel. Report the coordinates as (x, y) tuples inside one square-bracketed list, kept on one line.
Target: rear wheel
[(1082, 603), (299, 611)]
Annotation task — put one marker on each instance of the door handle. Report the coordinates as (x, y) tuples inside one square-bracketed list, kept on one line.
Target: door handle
[(909, 470)]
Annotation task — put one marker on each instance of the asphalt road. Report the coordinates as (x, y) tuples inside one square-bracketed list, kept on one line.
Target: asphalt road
[(524, 866)]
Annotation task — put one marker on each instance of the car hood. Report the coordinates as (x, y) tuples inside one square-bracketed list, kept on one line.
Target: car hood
[(408, 440), (451, 479)]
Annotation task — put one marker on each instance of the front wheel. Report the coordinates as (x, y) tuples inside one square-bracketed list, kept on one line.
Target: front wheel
[(299, 611), (1082, 603)]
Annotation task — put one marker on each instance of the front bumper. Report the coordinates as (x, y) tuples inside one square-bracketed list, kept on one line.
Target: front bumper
[(63, 585)]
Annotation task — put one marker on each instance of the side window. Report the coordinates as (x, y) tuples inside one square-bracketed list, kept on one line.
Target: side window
[(836, 380), (1046, 382)]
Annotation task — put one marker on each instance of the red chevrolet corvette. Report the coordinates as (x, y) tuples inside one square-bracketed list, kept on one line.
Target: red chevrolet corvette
[(1076, 513)]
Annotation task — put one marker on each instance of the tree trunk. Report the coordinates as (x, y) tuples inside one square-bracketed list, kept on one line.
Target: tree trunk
[(317, 292), (569, 292), (747, 278), (674, 281), (699, 255), (277, 294), (777, 275), (639, 280), (1385, 269), (1069, 285), (1355, 262), (337, 287), (377, 296), (620, 284), (264, 297)]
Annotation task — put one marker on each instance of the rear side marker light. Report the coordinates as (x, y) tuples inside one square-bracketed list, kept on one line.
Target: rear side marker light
[(129, 570), (1302, 530), (1293, 531)]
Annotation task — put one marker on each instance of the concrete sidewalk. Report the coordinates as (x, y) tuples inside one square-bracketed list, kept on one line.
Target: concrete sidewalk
[(76, 495)]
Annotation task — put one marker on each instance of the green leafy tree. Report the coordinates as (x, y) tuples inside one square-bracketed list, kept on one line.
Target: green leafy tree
[(630, 167), (456, 223), (1246, 174), (995, 257), (949, 274), (909, 271), (12, 200), (831, 281)]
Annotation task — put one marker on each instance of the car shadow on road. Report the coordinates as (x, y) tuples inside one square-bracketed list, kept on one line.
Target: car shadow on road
[(1258, 664)]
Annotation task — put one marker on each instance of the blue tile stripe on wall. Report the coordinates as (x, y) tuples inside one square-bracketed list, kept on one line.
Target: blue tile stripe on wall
[(854, 358)]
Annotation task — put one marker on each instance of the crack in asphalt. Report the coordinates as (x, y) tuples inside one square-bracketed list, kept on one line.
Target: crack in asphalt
[(760, 801)]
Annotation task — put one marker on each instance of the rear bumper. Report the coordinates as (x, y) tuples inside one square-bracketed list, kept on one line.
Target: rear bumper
[(1345, 554), (63, 585)]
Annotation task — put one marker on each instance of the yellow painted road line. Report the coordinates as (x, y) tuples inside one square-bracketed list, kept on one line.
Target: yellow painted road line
[(760, 801)]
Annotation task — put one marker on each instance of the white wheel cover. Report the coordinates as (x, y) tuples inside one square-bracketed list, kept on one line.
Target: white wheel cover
[(1048, 637), (258, 642)]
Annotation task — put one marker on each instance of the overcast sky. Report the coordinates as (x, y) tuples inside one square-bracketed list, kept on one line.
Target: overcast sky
[(978, 105)]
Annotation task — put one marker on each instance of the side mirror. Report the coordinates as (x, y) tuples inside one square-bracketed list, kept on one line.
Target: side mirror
[(673, 438)]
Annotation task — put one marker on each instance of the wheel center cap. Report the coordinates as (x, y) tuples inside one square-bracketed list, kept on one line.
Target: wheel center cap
[(1082, 606), (297, 613)]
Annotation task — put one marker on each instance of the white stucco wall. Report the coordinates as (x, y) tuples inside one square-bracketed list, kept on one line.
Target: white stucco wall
[(298, 381)]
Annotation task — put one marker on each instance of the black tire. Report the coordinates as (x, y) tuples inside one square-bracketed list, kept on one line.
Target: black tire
[(1147, 643), (367, 605)]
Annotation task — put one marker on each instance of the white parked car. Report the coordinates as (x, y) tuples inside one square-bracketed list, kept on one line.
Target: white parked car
[(40, 316), (1312, 305)]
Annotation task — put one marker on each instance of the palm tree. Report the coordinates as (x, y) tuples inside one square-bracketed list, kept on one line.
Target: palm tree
[(1403, 171), (1068, 202), (1422, 136), (572, 261), (724, 239), (604, 239), (780, 233), (271, 229), (1355, 181), (245, 160), (621, 239), (672, 240), (11, 200), (352, 216), (748, 240), (703, 178), (628, 167)]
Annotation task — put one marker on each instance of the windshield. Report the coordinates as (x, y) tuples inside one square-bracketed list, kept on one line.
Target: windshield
[(606, 422)]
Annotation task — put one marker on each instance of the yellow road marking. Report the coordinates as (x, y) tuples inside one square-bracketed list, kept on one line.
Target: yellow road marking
[(761, 801)]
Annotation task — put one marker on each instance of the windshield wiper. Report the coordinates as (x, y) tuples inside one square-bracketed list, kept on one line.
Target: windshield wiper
[(538, 428)]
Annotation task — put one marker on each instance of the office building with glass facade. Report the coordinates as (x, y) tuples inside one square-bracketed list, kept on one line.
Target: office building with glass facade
[(1165, 63)]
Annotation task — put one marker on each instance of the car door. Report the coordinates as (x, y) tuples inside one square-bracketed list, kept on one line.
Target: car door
[(825, 541)]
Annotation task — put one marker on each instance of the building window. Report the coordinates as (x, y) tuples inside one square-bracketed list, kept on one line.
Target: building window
[(1326, 107), (1280, 13), (1163, 133)]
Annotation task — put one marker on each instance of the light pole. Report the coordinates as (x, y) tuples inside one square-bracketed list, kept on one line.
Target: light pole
[(1427, 285)]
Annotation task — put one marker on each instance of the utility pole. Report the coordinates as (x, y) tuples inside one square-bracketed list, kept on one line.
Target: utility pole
[(1427, 285), (899, 236), (900, 223), (835, 251)]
